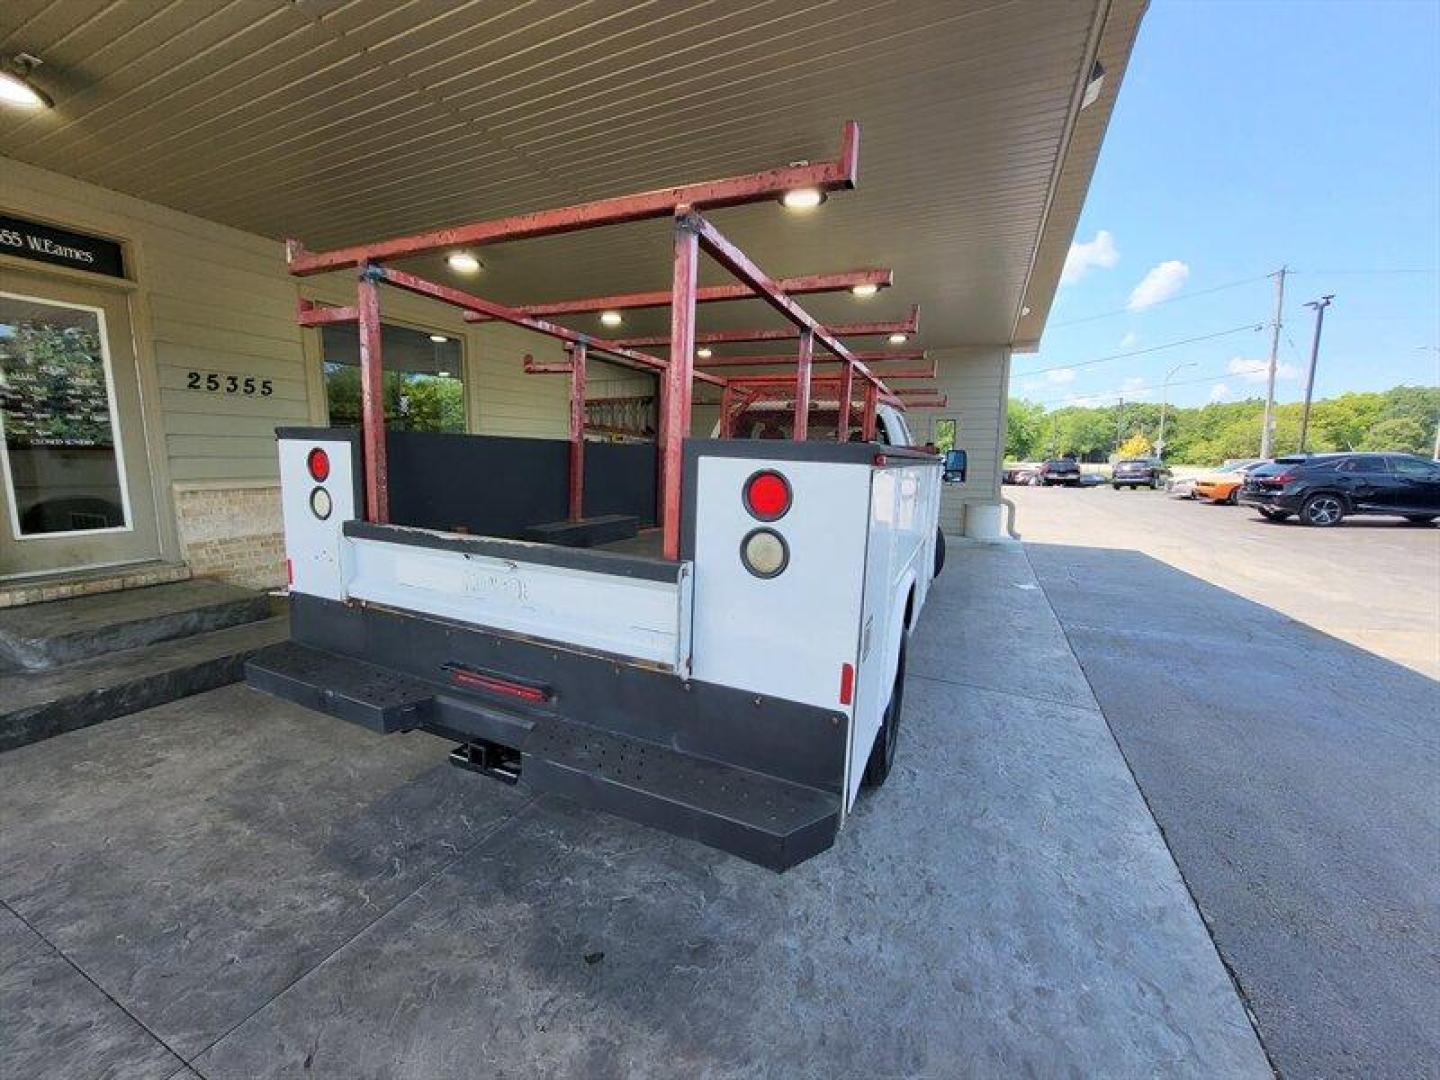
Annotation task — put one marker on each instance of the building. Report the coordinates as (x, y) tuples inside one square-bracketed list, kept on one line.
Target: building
[(148, 342)]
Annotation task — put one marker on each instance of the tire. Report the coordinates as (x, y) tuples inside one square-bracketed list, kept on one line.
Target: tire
[(939, 551), (1115, 486), (882, 754), (1323, 510), (1156, 484), (1035, 481), (1421, 519), (1233, 499), (1272, 515)]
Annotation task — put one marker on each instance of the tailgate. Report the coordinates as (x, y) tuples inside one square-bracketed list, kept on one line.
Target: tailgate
[(630, 607)]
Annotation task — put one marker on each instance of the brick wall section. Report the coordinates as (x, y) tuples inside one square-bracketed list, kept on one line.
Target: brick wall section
[(233, 533)]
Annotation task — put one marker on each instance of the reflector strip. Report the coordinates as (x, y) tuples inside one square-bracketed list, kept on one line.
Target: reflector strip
[(477, 681), (847, 683)]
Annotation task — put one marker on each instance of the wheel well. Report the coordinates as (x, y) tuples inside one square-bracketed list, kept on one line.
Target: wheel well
[(1344, 499)]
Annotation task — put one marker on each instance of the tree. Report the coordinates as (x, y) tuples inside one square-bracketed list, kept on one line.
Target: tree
[(1023, 431), (1136, 446)]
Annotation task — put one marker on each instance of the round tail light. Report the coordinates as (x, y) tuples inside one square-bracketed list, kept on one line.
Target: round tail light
[(764, 553), (318, 462), (767, 495)]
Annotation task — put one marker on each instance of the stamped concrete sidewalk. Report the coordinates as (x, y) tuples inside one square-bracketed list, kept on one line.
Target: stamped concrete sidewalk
[(246, 889)]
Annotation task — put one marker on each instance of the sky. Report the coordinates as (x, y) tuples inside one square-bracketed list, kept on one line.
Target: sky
[(1250, 135)]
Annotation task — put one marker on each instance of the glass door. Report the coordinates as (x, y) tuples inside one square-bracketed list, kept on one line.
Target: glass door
[(75, 488)]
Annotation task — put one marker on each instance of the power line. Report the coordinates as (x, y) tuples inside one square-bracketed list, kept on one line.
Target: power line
[(1141, 352), (1103, 395), (1172, 300), (1369, 273)]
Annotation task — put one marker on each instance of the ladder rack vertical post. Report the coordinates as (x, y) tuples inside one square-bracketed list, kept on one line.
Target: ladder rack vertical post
[(372, 400)]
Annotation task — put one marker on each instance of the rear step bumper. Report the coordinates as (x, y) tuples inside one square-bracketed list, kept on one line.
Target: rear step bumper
[(764, 819)]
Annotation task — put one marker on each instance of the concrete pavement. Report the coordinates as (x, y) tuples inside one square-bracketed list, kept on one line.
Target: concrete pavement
[(1296, 776), (236, 886)]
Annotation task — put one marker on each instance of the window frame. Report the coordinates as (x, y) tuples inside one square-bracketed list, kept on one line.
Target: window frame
[(317, 338)]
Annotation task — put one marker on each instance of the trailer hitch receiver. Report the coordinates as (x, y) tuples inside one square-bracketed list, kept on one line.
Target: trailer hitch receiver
[(489, 759)]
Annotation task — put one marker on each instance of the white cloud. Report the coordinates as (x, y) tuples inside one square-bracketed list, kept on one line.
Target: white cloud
[(1049, 379), (1083, 257), (1130, 340), (1089, 401), (1219, 392), (1135, 387), (1257, 371), (1161, 283)]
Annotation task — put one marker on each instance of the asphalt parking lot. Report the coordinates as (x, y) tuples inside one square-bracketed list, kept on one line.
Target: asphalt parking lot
[(1371, 581), (231, 886), (1266, 685)]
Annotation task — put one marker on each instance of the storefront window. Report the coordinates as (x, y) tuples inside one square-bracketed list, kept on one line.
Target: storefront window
[(424, 388), (61, 461), (946, 429)]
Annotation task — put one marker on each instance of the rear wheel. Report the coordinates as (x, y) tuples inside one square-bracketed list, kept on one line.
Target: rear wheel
[(1115, 486), (939, 551), (1156, 484), (1233, 499), (1323, 510), (882, 754)]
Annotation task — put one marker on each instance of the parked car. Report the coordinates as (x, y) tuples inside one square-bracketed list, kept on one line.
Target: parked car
[(1223, 484), (1324, 489), (1183, 488), (1024, 472), (1060, 471), (1139, 472)]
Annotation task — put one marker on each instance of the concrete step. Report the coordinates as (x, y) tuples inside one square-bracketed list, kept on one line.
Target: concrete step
[(36, 705), (39, 637)]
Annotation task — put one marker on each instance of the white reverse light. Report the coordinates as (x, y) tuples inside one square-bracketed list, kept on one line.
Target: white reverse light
[(462, 262)]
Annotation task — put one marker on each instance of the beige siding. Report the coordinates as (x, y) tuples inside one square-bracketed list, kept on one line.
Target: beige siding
[(210, 299), (973, 381)]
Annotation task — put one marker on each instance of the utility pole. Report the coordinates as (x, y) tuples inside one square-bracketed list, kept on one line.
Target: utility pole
[(1165, 404), (1119, 425), (1319, 306), (1267, 426)]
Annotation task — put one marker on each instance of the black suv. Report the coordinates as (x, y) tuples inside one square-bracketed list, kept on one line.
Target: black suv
[(1139, 472), (1060, 471), (1322, 489)]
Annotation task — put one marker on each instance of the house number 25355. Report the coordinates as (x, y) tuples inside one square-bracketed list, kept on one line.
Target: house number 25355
[(217, 383)]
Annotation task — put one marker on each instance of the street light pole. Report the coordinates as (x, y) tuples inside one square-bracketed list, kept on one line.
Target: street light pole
[(1165, 403), (1319, 306)]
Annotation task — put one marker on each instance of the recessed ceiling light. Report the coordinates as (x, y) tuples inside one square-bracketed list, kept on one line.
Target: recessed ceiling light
[(439, 339), (898, 339), (867, 289), (464, 263), (805, 198), (16, 88), (610, 318), (704, 354)]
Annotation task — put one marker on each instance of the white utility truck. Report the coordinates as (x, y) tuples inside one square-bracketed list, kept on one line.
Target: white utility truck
[(741, 695), (733, 675)]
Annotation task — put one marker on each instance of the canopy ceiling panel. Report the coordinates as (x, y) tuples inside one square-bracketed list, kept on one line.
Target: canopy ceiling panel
[(341, 122)]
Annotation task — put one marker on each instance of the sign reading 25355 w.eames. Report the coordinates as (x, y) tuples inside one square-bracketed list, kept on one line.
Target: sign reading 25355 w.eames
[(60, 247)]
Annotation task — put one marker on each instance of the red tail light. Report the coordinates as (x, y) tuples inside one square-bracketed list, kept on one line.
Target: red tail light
[(318, 462), (767, 495), (847, 683), (1281, 480), (478, 680)]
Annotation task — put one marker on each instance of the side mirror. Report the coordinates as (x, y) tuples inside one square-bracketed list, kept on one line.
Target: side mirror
[(955, 465)]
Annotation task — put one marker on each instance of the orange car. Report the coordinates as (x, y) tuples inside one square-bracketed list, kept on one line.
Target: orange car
[(1223, 485)]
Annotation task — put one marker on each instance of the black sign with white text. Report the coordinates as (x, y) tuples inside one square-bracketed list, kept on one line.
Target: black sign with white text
[(45, 243)]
